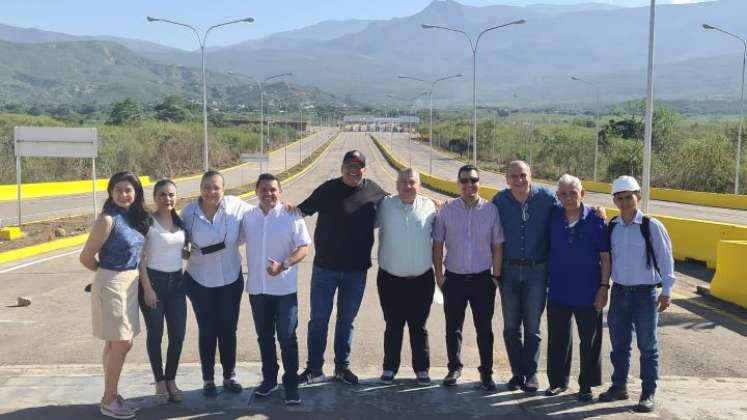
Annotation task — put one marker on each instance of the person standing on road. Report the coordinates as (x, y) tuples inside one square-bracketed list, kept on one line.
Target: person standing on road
[(525, 211), (405, 279), (470, 228), (213, 279), (117, 237), (579, 275), (276, 241), (343, 239), (161, 293), (641, 261)]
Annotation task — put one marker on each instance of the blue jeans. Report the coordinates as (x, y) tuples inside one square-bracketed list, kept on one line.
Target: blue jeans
[(629, 310), (350, 286), (271, 314), (523, 295)]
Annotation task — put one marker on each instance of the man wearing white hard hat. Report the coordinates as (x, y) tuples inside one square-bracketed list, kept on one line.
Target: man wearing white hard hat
[(641, 262)]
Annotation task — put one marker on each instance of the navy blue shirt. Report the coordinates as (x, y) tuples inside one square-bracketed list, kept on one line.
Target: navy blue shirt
[(525, 230), (123, 248), (575, 266)]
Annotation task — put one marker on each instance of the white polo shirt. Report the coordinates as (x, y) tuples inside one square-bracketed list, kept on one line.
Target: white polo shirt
[(219, 268), (276, 235), (405, 244)]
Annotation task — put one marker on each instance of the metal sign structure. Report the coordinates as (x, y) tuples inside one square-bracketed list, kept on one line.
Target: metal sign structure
[(55, 142)]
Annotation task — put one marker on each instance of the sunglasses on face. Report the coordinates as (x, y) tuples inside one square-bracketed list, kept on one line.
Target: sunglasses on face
[(466, 180)]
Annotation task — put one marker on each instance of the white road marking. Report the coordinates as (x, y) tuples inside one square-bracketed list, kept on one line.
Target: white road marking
[(41, 260)]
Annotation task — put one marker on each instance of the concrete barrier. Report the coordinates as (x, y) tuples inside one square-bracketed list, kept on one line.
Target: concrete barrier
[(727, 201), (730, 282), (49, 189)]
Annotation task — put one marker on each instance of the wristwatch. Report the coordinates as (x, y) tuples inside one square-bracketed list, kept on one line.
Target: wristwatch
[(605, 285), (496, 278), (284, 265)]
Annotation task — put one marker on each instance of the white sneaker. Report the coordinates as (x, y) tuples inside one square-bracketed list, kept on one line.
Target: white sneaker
[(116, 410), (129, 404)]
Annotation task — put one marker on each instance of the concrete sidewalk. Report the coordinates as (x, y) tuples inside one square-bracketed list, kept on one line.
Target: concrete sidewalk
[(73, 392)]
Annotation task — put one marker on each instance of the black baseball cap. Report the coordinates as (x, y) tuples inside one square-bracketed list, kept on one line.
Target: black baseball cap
[(354, 156)]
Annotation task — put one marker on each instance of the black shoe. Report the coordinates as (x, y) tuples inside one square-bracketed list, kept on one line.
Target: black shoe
[(232, 386), (422, 378), (647, 403), (452, 377), (266, 388), (531, 385), (584, 394), (387, 377), (346, 375), (486, 382), (515, 383), (309, 377), (555, 390), (291, 396), (614, 393), (209, 389)]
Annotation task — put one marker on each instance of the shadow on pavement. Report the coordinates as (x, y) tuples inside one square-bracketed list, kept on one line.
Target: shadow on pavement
[(707, 313)]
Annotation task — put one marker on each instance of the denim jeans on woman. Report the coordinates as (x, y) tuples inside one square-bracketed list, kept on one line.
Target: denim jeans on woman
[(171, 306), (350, 286)]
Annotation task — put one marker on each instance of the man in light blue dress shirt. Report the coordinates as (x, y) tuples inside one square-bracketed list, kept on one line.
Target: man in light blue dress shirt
[(405, 279), (641, 261)]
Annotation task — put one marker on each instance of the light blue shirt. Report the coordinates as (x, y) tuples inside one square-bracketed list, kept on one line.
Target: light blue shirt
[(629, 254), (405, 244)]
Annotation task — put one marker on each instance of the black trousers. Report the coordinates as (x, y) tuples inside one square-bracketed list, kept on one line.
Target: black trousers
[(406, 301), (560, 344), (171, 306), (217, 313), (477, 290)]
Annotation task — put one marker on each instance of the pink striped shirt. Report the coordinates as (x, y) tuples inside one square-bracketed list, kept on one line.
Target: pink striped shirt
[(468, 233)]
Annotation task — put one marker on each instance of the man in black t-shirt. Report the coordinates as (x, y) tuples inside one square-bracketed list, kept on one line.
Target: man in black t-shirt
[(343, 240)]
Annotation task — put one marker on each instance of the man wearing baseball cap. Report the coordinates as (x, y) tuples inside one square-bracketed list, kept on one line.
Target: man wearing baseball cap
[(641, 262), (343, 240)]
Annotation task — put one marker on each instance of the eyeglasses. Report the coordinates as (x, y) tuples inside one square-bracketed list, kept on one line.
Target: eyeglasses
[(525, 212), (466, 180)]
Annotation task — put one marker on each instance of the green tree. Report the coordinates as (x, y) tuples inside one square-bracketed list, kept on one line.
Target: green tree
[(174, 109), (125, 112)]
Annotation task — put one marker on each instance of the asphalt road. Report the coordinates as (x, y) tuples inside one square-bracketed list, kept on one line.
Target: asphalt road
[(446, 167), (702, 346), (36, 209)]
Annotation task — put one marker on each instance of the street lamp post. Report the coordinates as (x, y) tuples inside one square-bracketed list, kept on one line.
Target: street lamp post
[(261, 86), (202, 40), (741, 104), (473, 46), (596, 125), (648, 129), (430, 94)]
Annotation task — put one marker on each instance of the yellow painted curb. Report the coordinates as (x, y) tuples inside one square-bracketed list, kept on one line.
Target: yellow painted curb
[(30, 251), (730, 283), (10, 233), (53, 189)]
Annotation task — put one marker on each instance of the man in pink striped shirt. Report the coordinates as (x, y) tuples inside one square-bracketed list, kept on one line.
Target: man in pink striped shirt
[(470, 228)]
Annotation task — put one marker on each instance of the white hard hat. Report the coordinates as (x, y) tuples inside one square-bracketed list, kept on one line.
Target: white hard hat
[(625, 183)]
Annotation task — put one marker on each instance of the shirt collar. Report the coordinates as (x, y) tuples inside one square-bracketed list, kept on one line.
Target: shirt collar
[(638, 218), (480, 202), (532, 191)]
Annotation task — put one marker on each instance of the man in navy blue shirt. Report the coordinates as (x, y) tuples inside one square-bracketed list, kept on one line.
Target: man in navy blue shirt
[(579, 275)]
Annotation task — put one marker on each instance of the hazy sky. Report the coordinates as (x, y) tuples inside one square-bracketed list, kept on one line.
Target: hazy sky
[(127, 17)]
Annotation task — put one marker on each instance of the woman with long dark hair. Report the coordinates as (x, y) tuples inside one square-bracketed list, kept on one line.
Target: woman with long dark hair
[(162, 293), (213, 278), (117, 237)]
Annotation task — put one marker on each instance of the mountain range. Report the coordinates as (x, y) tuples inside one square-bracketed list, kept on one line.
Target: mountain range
[(520, 65)]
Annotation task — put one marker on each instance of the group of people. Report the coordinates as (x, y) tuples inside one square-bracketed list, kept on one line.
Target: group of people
[(534, 247)]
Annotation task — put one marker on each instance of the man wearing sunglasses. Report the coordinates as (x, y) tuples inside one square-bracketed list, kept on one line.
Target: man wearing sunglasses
[(343, 240), (470, 228)]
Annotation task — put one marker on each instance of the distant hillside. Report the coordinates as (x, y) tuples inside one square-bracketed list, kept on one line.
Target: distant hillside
[(104, 72)]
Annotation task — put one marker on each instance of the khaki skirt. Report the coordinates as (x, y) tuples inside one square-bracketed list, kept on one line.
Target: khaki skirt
[(114, 305)]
